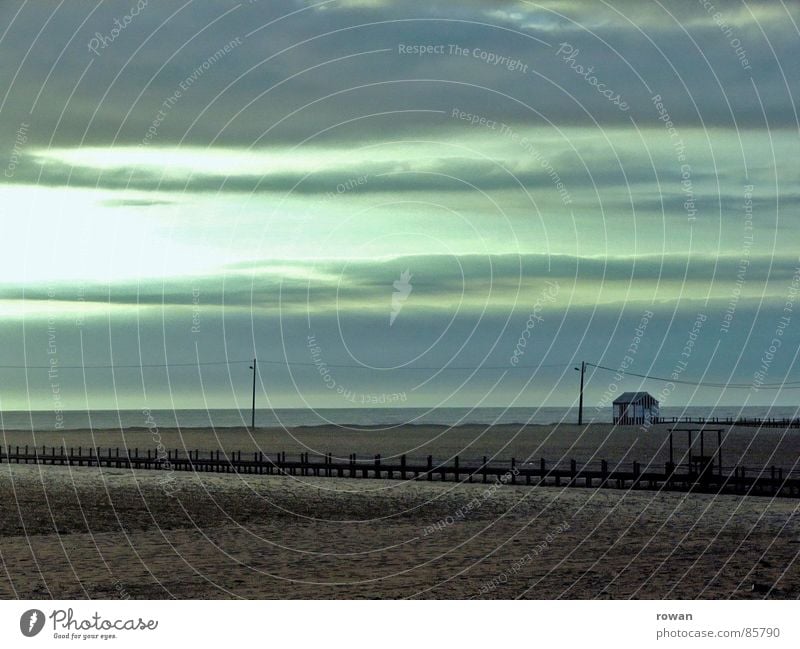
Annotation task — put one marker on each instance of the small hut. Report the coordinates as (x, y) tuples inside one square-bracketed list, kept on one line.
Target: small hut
[(633, 408)]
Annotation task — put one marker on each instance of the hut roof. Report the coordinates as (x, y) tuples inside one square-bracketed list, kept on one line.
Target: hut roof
[(633, 397)]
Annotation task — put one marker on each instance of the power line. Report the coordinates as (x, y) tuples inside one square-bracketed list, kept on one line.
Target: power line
[(709, 384), (116, 367), (274, 362), (430, 368), (285, 363)]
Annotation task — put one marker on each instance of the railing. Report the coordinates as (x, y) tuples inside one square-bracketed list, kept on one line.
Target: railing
[(711, 477), (765, 422)]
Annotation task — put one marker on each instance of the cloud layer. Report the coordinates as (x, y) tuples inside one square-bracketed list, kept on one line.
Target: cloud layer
[(272, 168)]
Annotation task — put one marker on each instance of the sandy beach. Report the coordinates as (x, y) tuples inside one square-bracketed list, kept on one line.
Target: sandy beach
[(69, 532)]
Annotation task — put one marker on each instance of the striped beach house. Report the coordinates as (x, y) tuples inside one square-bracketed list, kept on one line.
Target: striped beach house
[(634, 408)]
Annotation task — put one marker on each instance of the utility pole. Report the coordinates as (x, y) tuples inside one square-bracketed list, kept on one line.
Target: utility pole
[(253, 412), (582, 370)]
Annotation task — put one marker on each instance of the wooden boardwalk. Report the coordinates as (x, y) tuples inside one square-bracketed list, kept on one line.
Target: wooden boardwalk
[(757, 422), (695, 476)]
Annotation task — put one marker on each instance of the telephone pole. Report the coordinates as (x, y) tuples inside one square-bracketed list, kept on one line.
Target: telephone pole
[(582, 370), (253, 412)]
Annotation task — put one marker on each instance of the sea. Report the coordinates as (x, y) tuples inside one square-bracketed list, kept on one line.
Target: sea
[(348, 417)]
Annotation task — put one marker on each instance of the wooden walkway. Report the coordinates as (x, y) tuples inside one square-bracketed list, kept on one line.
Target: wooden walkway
[(758, 422), (695, 476)]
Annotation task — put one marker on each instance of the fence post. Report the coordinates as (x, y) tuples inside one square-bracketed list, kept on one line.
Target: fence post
[(403, 466), (430, 467), (458, 474)]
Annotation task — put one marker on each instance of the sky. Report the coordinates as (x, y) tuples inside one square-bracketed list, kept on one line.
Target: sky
[(398, 202)]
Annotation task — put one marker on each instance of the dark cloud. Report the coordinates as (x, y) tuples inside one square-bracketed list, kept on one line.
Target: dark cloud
[(310, 74), (439, 281)]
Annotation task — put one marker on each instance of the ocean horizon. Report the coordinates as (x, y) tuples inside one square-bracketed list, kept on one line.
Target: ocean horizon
[(379, 418)]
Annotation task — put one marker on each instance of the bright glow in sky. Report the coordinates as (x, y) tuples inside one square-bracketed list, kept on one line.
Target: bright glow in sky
[(288, 190)]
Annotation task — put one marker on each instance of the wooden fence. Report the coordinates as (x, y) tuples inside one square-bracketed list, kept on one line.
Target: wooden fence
[(694, 476)]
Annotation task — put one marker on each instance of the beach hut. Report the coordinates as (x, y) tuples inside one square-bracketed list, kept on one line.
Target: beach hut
[(631, 408)]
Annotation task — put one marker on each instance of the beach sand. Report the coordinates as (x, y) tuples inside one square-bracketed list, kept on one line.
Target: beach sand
[(69, 532)]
